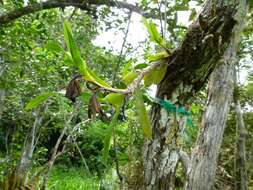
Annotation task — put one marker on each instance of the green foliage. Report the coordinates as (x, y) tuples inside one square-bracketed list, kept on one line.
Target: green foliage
[(108, 136), (74, 51), (38, 100), (250, 3), (77, 59), (91, 144), (34, 64), (154, 34), (54, 46), (115, 99), (129, 77), (158, 56), (72, 178), (249, 90), (143, 115), (156, 75), (85, 97)]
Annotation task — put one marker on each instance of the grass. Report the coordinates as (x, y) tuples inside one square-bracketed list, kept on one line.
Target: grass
[(71, 179)]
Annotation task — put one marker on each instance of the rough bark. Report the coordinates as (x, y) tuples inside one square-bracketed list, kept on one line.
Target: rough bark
[(201, 172), (188, 69), (240, 157), (241, 171)]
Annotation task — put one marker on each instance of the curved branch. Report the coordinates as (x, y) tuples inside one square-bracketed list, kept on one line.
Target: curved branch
[(50, 4), (137, 81)]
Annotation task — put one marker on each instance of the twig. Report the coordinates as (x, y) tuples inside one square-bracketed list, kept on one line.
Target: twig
[(160, 15), (80, 152), (55, 154), (165, 19), (46, 124), (122, 48)]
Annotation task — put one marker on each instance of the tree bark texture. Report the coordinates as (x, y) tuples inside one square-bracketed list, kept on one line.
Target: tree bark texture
[(201, 172), (240, 156), (207, 40)]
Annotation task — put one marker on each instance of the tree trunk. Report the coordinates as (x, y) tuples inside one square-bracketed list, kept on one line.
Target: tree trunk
[(240, 157), (201, 172), (207, 39), (28, 148), (2, 97), (241, 171), (2, 89)]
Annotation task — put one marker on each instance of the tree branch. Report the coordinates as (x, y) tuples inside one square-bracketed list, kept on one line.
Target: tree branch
[(136, 83), (50, 4), (194, 60)]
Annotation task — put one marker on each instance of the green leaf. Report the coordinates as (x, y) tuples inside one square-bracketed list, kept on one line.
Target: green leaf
[(158, 56), (154, 34), (141, 66), (77, 59), (108, 136), (127, 67), (156, 75), (54, 46), (73, 49), (84, 97), (38, 100), (143, 115), (129, 77), (91, 76), (115, 99), (68, 59)]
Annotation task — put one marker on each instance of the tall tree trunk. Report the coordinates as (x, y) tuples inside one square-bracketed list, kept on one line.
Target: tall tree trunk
[(207, 39), (2, 97), (201, 172), (25, 161), (2, 89), (240, 157), (240, 170)]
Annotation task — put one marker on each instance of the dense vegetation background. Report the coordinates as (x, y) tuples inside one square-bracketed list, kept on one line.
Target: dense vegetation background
[(35, 72)]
